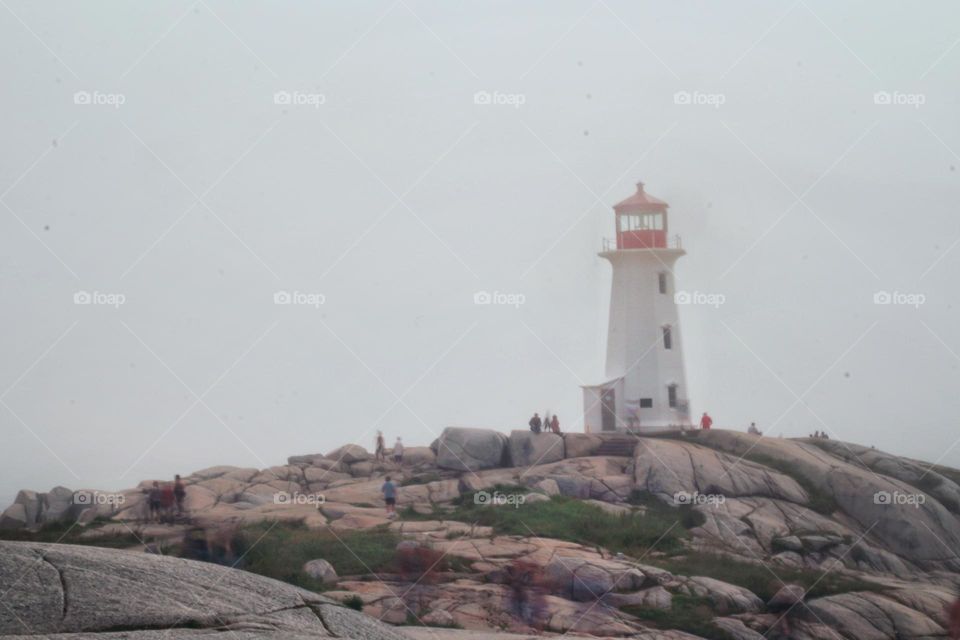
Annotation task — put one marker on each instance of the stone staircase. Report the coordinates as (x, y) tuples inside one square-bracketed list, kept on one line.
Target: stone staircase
[(617, 445)]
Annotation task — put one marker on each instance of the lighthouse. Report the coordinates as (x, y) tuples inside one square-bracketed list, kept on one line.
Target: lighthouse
[(645, 389)]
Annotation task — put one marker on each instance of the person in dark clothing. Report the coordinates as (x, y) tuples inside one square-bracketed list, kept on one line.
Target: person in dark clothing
[(153, 501), (535, 423), (179, 493)]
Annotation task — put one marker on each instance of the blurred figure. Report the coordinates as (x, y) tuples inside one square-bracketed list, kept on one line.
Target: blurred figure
[(153, 501), (166, 503), (706, 422), (380, 454), (179, 493), (555, 424), (526, 598), (753, 429), (953, 619), (390, 497), (535, 423), (398, 451)]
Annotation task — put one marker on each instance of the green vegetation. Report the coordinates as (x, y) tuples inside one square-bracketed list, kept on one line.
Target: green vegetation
[(353, 602), (761, 580), (570, 519), (688, 613), (70, 533), (282, 552)]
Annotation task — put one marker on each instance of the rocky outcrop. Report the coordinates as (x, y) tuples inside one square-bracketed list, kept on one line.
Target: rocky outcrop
[(59, 589), (472, 449), (528, 448)]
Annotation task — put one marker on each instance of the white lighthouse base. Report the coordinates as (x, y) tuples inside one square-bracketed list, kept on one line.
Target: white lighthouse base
[(608, 410)]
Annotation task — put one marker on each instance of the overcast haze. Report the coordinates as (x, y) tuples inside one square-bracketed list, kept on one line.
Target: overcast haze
[(396, 194)]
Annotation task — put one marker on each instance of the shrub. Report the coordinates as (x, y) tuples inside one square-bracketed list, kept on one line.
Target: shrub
[(688, 613)]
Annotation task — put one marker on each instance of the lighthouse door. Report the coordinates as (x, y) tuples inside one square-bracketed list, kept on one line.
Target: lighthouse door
[(608, 410)]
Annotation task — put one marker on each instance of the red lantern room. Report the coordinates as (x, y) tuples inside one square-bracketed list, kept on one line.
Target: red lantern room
[(641, 221)]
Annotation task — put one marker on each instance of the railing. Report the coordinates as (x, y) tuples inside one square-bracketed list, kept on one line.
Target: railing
[(673, 242)]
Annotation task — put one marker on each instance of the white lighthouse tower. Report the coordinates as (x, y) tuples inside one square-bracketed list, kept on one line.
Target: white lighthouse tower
[(646, 386)]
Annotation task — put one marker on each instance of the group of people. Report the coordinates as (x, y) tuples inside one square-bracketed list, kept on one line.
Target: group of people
[(381, 449), (164, 502), (547, 423), (820, 435)]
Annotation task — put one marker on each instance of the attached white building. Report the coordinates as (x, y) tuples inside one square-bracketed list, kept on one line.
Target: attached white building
[(646, 388)]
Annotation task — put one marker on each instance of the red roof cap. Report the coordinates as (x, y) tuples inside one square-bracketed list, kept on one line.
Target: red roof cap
[(640, 201)]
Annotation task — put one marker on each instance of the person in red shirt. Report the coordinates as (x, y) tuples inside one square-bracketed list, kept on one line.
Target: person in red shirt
[(706, 422)]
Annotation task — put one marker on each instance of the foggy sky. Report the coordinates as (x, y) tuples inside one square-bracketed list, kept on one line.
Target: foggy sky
[(399, 197)]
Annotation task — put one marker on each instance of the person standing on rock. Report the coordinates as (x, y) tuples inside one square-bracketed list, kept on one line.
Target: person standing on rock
[(555, 424), (706, 422), (153, 501), (398, 451), (535, 423), (380, 454), (390, 497), (179, 493)]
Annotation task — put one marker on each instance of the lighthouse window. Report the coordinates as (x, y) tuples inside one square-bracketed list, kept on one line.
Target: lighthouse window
[(672, 396), (667, 338), (663, 281), (646, 403)]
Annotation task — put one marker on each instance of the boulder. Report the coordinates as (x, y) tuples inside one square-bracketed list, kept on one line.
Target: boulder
[(580, 445), (786, 597), (417, 456), (94, 592), (465, 449), (58, 504), (349, 453), (321, 570), (528, 448), (14, 517)]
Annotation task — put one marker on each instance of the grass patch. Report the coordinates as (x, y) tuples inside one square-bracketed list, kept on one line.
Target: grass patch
[(280, 550), (688, 613), (68, 533), (566, 518), (759, 579)]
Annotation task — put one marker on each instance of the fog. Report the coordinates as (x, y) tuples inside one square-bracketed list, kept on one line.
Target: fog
[(182, 163)]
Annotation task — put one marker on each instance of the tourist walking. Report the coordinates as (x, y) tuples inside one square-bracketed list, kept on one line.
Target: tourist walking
[(153, 501), (706, 422), (535, 423), (389, 490), (398, 451)]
